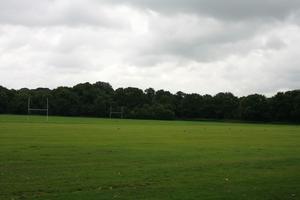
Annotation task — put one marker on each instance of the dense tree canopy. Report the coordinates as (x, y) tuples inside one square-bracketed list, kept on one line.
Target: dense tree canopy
[(96, 99)]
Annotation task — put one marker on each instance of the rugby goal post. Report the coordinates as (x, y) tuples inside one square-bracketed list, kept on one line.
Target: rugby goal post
[(30, 109), (113, 112)]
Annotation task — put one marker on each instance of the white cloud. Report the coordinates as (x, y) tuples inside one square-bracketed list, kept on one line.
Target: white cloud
[(147, 44)]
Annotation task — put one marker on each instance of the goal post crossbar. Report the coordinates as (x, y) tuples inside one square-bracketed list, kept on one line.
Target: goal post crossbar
[(121, 112), (38, 109)]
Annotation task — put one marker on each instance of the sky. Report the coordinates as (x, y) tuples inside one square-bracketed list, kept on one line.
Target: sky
[(194, 46)]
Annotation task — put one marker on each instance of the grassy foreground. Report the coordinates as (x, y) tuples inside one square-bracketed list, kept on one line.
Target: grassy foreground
[(82, 158)]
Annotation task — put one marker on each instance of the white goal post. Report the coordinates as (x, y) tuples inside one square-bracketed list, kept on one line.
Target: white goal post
[(29, 109), (116, 112)]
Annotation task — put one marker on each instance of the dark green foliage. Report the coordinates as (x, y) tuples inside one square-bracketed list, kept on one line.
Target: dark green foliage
[(95, 100), (144, 112), (4, 99), (226, 106), (18, 102), (130, 97), (286, 106), (191, 106), (150, 94), (254, 107), (163, 112), (64, 102)]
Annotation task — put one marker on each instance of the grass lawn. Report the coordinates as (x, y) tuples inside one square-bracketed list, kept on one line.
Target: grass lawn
[(85, 158)]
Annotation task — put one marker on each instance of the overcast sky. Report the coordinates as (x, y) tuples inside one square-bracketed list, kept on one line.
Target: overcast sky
[(202, 46)]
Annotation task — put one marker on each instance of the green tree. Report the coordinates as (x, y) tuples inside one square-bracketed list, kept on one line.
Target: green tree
[(254, 108), (4, 100), (225, 106)]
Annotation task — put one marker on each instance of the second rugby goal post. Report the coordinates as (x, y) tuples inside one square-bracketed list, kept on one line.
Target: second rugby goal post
[(46, 110), (116, 112)]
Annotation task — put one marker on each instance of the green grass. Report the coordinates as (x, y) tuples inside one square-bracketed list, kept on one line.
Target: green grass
[(84, 158)]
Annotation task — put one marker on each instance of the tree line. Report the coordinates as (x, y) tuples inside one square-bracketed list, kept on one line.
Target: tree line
[(95, 100)]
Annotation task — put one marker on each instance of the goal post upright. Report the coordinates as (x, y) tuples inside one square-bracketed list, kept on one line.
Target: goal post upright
[(118, 112), (29, 109)]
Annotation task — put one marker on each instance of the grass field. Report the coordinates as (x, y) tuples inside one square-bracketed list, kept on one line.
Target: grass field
[(83, 158)]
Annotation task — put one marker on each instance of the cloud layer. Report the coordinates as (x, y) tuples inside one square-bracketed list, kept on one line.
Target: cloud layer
[(195, 46)]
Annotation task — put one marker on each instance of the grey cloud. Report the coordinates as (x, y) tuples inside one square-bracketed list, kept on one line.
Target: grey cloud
[(58, 13), (198, 44), (210, 46), (275, 43), (91, 12), (229, 9)]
